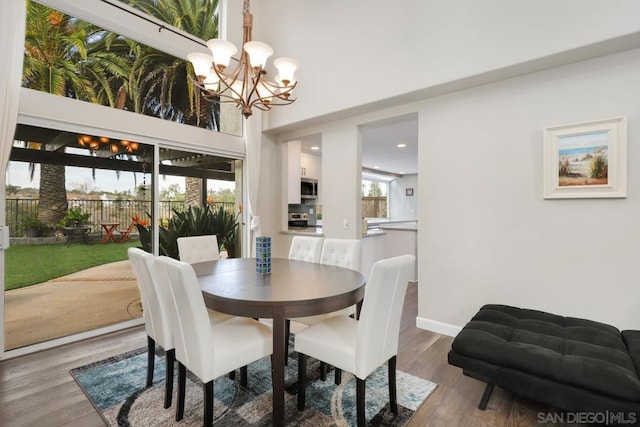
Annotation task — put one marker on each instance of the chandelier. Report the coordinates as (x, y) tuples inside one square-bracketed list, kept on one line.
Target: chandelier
[(246, 85)]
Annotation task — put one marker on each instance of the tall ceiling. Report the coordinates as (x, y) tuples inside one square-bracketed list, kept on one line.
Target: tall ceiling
[(380, 141)]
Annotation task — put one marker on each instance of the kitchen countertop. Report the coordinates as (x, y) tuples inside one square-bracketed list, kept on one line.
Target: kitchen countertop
[(317, 231)]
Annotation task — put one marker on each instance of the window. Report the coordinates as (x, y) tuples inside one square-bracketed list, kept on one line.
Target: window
[(374, 197), (73, 58)]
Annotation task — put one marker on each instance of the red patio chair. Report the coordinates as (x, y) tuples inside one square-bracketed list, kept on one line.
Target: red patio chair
[(125, 234)]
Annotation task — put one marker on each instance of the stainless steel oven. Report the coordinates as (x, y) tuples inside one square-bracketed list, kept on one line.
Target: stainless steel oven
[(298, 219)]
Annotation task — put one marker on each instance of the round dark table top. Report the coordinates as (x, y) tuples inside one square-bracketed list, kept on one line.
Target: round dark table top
[(293, 288)]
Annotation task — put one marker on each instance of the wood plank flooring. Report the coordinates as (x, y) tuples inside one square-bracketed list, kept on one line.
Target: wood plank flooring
[(37, 389)]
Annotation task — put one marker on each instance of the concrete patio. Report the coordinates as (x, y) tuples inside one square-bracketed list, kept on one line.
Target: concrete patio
[(85, 300)]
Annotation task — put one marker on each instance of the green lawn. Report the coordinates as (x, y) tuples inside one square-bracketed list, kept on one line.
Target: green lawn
[(27, 265)]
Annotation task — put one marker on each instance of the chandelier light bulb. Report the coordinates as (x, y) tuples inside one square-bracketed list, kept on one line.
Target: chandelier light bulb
[(264, 92), (201, 64), (286, 69), (258, 53), (222, 51)]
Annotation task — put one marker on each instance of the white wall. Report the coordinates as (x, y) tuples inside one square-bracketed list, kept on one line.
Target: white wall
[(341, 177), (358, 52), (401, 206), (487, 235)]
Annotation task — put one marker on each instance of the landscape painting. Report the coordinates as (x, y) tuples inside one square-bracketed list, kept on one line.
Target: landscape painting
[(583, 159)]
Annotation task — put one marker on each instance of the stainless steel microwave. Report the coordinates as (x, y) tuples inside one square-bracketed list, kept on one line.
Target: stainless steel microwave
[(308, 188)]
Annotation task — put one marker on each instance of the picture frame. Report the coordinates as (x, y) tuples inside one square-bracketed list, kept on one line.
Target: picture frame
[(408, 192), (585, 160)]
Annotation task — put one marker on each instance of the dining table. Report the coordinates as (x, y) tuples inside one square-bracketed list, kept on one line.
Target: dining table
[(292, 289)]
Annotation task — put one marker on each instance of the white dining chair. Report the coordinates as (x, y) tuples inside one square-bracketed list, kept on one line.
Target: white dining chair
[(345, 253), (156, 318), (193, 249), (207, 350), (306, 248), (360, 346)]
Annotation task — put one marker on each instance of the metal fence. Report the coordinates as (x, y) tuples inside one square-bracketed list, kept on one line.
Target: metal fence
[(374, 207), (113, 211)]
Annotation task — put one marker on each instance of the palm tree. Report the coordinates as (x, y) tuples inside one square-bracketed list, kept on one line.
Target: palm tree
[(160, 81), (65, 56)]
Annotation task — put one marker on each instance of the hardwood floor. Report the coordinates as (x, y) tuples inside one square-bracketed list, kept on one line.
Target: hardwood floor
[(37, 389)]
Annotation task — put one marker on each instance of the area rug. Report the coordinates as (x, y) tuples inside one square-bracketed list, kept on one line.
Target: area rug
[(116, 387)]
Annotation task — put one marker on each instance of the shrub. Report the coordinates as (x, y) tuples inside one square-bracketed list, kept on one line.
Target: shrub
[(195, 221), (74, 217), (599, 166), (31, 221), (563, 168)]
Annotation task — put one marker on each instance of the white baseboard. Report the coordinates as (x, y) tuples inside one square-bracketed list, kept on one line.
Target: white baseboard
[(437, 327)]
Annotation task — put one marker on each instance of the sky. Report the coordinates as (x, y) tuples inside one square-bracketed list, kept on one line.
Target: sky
[(594, 139), (106, 180)]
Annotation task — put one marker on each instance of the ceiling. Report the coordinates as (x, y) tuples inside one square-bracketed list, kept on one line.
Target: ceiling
[(379, 145)]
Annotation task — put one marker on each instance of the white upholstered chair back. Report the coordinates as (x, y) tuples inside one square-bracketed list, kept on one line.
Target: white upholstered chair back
[(342, 253), (193, 249), (379, 322), (156, 304), (306, 248), (191, 324)]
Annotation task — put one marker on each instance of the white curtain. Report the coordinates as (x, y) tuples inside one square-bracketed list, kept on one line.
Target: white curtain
[(12, 23), (252, 138)]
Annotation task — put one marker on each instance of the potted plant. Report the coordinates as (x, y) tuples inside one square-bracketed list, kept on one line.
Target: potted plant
[(74, 218), (32, 226)]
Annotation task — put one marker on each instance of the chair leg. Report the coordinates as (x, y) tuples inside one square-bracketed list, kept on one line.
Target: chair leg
[(168, 387), (337, 376), (208, 404), (393, 397), (485, 397), (302, 380), (287, 335), (182, 382), (323, 371), (360, 388), (151, 353), (243, 376)]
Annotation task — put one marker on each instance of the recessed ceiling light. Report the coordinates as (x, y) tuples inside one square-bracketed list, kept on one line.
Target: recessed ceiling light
[(401, 173), (315, 147), (401, 145), (376, 167)]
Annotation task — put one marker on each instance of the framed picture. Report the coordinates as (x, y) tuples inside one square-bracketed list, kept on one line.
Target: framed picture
[(586, 160), (408, 191)]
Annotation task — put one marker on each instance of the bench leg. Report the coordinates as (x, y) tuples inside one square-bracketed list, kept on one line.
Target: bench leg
[(485, 397)]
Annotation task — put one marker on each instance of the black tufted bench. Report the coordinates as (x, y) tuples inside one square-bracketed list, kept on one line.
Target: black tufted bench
[(568, 363)]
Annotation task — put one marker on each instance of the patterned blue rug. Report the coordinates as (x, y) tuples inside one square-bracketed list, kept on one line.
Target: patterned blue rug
[(116, 388)]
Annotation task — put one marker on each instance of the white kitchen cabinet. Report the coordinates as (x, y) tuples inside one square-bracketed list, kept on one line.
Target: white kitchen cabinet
[(309, 166), (299, 165)]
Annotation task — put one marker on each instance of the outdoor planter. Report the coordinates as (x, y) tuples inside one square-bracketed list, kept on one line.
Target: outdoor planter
[(32, 232)]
